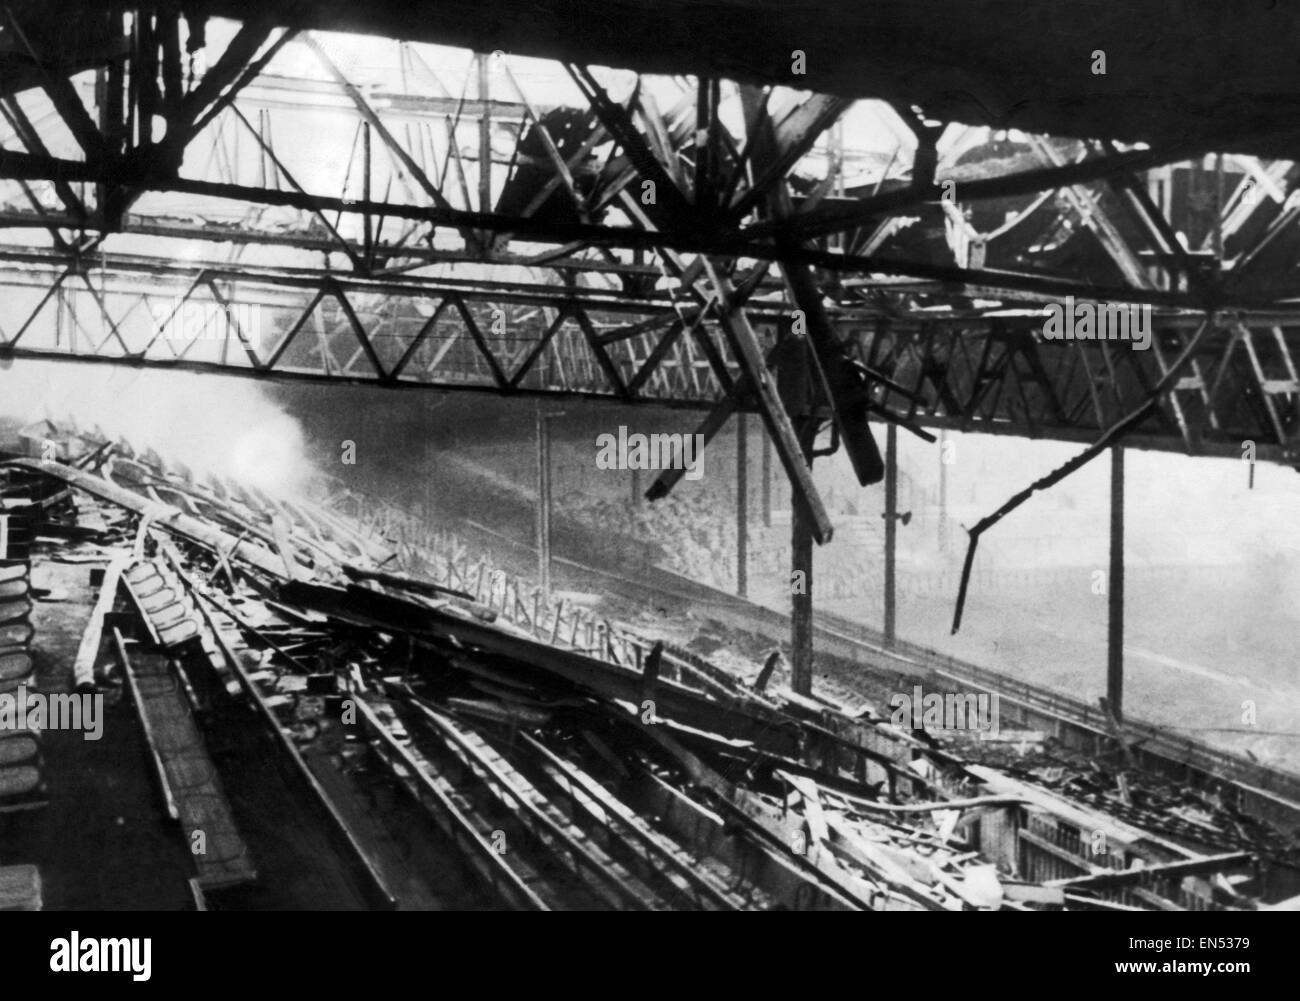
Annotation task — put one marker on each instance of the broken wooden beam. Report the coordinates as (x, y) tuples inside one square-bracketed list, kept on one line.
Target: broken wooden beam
[(83, 665), (1163, 870), (166, 517)]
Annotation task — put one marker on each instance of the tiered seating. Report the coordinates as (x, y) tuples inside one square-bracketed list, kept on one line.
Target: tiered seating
[(21, 785), (164, 602)]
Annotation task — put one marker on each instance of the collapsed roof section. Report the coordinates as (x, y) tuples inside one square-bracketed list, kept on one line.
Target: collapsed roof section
[(1193, 69)]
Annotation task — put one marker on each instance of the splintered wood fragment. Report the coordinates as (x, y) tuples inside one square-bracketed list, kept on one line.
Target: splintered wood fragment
[(764, 823), (606, 754), (1144, 874), (769, 666), (818, 832), (1033, 893), (284, 546), (151, 740), (164, 517), (83, 666), (498, 712)]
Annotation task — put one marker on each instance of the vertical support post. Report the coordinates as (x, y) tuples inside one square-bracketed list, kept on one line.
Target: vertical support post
[(427, 482), (943, 493), (767, 481), (109, 85), (891, 526), (836, 166), (742, 512), (144, 67), (368, 232), (801, 559), (543, 503), (484, 138), (60, 308), (1115, 644), (1218, 212)]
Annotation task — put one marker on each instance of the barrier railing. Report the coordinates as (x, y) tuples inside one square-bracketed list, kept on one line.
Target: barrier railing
[(443, 556), (580, 629)]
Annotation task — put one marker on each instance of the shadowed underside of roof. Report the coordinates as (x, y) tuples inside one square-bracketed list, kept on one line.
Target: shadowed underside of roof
[(525, 264), (1176, 71)]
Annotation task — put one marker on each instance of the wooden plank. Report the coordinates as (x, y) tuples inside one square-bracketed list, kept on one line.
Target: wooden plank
[(169, 799), (83, 665), (767, 825), (166, 517), (1134, 876), (377, 887)]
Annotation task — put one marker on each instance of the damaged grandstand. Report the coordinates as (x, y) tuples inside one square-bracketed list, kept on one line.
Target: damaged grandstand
[(421, 711), (641, 455)]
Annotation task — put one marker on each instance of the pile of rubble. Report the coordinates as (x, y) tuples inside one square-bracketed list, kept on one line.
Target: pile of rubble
[(572, 761)]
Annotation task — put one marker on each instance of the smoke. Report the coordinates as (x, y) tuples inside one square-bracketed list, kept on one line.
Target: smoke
[(209, 423)]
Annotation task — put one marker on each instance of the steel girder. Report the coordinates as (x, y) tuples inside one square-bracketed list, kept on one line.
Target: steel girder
[(973, 373), (411, 166), (410, 250)]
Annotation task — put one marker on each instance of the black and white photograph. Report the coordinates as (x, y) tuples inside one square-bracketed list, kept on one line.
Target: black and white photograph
[(651, 455)]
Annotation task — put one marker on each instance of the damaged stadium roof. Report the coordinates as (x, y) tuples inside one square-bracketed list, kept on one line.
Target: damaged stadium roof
[(1194, 72)]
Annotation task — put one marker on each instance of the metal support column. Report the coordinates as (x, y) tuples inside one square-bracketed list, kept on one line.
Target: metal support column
[(484, 137), (742, 512), (767, 482), (943, 492), (891, 526), (801, 559), (543, 503), (1115, 645)]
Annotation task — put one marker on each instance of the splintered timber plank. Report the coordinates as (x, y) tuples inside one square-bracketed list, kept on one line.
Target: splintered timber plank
[(762, 865), (167, 518), (612, 882), (909, 872), (146, 722), (744, 719), (768, 823), (225, 638), (83, 665), (1164, 870), (688, 874), (176, 743), (504, 871)]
